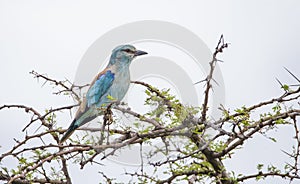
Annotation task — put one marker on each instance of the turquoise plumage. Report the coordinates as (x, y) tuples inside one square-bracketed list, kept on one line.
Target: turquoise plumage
[(109, 85)]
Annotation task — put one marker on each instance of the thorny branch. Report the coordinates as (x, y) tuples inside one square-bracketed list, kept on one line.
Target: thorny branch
[(199, 157), (66, 85), (209, 79)]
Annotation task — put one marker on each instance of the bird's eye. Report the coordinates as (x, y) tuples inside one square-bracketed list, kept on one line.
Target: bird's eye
[(128, 51)]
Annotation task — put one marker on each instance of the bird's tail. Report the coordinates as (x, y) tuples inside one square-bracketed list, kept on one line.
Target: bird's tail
[(69, 132)]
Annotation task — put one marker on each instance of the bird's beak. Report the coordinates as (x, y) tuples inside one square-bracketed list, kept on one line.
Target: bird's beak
[(139, 53)]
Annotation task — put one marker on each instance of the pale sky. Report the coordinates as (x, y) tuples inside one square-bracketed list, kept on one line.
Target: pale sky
[(53, 36)]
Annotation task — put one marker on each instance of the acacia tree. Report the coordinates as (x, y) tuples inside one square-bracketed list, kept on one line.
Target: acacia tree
[(194, 145)]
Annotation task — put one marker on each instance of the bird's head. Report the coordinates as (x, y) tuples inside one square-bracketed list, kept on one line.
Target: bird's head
[(124, 54)]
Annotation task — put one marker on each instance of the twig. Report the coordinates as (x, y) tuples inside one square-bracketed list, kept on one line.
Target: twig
[(219, 49)]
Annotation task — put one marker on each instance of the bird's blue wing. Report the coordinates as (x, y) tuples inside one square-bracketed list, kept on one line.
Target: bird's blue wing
[(99, 87)]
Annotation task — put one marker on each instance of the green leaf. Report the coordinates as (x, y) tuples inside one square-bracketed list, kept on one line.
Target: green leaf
[(91, 152), (259, 167), (5, 170), (272, 139), (109, 97), (259, 177), (22, 160), (285, 87), (280, 121)]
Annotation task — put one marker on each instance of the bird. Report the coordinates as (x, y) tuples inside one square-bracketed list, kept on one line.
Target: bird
[(109, 85)]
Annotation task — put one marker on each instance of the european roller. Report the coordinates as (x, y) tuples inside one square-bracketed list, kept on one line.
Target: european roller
[(109, 85)]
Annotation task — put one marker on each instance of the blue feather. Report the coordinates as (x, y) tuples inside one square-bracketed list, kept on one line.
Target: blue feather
[(99, 88)]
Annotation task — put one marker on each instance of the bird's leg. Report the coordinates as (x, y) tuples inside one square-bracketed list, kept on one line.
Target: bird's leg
[(108, 119)]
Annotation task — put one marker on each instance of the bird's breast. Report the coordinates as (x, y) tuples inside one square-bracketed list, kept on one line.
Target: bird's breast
[(120, 85)]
